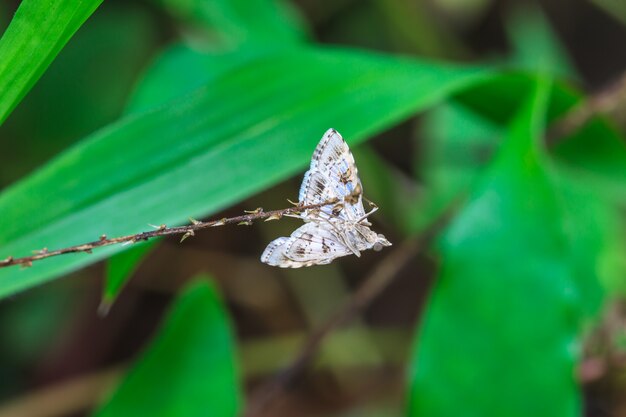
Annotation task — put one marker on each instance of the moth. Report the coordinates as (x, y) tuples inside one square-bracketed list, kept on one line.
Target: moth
[(333, 230)]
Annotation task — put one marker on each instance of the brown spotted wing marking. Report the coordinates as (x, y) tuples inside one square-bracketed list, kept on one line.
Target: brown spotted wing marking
[(333, 174), (310, 244), (334, 230)]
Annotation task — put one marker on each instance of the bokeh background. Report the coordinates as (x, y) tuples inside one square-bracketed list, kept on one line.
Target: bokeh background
[(60, 357)]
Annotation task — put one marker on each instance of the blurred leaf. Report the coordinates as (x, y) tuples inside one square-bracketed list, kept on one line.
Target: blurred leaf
[(596, 234), (535, 45), (416, 29), (91, 77), (34, 321), (189, 369), (597, 154), (597, 150), (233, 23), (241, 133), (505, 300), (592, 167), (498, 99), (34, 37), (181, 69), (456, 145), (121, 267), (388, 188), (616, 8)]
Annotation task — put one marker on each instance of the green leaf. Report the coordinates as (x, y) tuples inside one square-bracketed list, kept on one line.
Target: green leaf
[(118, 39), (597, 154), (536, 46), (238, 134), (596, 150), (505, 307), (189, 369), (456, 146), (120, 268), (388, 188), (180, 69), (34, 37), (233, 23)]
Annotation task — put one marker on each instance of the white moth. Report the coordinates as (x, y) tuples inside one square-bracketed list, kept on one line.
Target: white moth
[(333, 230)]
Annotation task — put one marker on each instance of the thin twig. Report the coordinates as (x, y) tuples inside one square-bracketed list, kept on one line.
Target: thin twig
[(371, 287), (605, 102), (163, 230)]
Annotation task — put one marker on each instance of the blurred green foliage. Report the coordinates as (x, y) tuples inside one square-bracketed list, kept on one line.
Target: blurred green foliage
[(198, 136), (189, 369), (235, 104), (505, 252), (92, 79), (120, 268), (34, 37)]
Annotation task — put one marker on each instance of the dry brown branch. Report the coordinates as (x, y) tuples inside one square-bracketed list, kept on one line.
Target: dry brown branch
[(163, 230)]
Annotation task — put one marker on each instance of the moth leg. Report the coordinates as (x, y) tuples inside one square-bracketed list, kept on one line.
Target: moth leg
[(342, 235), (363, 219)]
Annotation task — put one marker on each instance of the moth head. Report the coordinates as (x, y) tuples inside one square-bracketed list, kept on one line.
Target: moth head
[(381, 241)]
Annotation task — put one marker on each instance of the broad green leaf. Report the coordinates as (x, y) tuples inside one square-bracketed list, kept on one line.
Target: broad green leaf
[(597, 153), (456, 145), (233, 23), (180, 69), (120, 268), (498, 99), (34, 37), (596, 150), (505, 306), (236, 135), (189, 369)]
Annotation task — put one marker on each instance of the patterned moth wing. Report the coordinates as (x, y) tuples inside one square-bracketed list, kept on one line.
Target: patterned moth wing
[(311, 244), (334, 230), (359, 237), (333, 175)]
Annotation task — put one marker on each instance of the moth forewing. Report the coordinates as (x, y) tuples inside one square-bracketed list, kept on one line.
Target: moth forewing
[(334, 230)]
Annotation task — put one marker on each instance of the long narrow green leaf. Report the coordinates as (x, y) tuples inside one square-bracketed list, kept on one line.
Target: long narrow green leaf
[(34, 37), (242, 132), (496, 316), (180, 69), (189, 369), (120, 268)]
